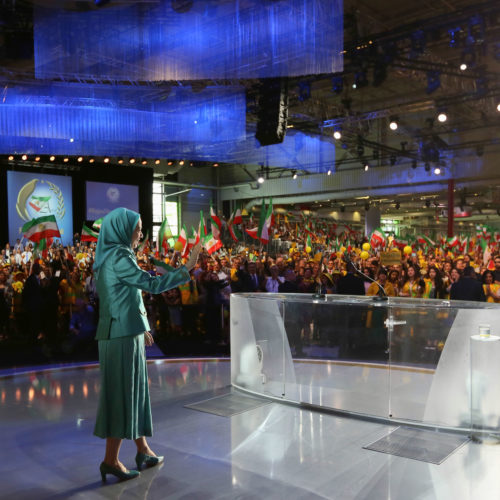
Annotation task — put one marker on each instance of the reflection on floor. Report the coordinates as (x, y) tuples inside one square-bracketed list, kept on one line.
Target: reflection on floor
[(271, 452)]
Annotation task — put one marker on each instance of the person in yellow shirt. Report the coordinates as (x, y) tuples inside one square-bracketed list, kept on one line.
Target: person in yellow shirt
[(491, 289), (374, 288)]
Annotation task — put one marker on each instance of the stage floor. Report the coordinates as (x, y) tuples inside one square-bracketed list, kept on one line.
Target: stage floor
[(275, 451)]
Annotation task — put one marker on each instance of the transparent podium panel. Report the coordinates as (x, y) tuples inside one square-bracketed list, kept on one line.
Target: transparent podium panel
[(404, 360), (484, 387), (258, 355), (339, 352), (417, 336)]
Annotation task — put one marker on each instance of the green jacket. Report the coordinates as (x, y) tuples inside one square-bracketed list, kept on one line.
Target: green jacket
[(119, 284)]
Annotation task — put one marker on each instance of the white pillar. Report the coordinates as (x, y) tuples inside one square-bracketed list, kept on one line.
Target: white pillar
[(372, 220)]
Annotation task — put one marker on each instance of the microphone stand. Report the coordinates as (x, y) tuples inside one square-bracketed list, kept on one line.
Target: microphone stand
[(382, 295)]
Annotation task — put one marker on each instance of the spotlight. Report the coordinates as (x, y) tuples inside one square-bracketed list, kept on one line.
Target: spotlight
[(80, 158), (91, 160), (72, 140), (157, 162), (132, 160), (215, 165), (181, 163), (337, 135), (168, 163), (144, 162), (294, 174), (393, 124), (463, 67), (366, 167), (120, 161), (437, 171), (37, 158), (65, 160), (52, 158), (442, 117), (498, 107), (354, 86), (11, 158), (24, 157), (261, 179), (106, 160), (329, 172)]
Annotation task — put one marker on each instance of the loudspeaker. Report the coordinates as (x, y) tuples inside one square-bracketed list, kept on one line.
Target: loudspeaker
[(272, 111)]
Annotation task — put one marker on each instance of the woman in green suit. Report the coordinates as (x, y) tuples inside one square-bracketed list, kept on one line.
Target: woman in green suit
[(124, 410)]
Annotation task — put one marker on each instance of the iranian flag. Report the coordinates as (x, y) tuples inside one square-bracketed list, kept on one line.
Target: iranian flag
[(377, 238), (265, 221), (88, 234), (216, 223), (97, 223), (453, 241), (164, 233), (183, 240), (41, 228), (237, 218), (211, 243), (203, 227), (38, 202), (234, 231), (425, 240), (253, 233), (192, 238)]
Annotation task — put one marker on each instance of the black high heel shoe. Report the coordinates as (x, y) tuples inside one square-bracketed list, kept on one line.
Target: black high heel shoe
[(149, 460), (107, 469)]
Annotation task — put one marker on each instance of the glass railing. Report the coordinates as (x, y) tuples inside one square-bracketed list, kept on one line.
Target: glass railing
[(404, 360)]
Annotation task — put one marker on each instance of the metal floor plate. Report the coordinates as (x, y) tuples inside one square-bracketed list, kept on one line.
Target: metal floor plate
[(229, 404), (417, 444)]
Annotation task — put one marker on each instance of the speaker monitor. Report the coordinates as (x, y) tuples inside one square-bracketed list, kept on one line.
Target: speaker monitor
[(272, 111)]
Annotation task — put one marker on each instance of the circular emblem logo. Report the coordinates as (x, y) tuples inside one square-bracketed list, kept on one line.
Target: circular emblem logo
[(38, 198), (113, 194)]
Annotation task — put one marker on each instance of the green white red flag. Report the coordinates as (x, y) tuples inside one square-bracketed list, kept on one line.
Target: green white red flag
[(88, 234), (41, 228), (97, 223), (425, 240), (211, 243), (233, 230), (216, 223), (164, 233), (377, 238), (453, 241), (183, 240)]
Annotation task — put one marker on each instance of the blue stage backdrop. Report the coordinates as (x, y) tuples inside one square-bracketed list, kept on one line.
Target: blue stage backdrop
[(32, 195), (102, 197), (152, 41)]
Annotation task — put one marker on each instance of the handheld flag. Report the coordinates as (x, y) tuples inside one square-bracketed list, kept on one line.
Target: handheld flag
[(41, 228), (88, 234)]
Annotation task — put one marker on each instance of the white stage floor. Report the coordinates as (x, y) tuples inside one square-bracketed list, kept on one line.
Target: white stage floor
[(272, 452)]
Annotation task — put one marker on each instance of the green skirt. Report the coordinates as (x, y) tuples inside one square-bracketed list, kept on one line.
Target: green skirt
[(124, 407)]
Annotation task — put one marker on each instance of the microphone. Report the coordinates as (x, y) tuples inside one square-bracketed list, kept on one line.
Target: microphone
[(382, 295)]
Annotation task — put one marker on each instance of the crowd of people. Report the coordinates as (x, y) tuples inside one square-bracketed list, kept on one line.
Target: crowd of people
[(49, 300)]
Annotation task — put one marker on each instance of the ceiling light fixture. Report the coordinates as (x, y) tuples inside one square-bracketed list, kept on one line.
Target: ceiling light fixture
[(337, 135), (132, 160), (437, 171), (52, 158), (106, 160), (80, 158), (294, 174), (24, 157), (463, 67), (329, 172), (442, 117), (393, 124)]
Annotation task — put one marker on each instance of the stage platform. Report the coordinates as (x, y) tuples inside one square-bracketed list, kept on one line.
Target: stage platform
[(274, 451)]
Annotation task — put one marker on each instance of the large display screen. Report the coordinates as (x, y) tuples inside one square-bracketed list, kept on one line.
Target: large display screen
[(102, 197), (32, 195)]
